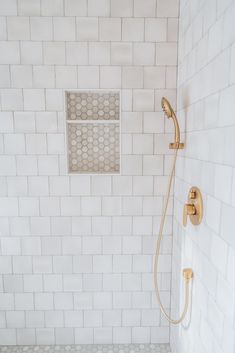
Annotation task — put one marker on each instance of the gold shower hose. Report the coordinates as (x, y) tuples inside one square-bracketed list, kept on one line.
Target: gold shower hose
[(157, 253)]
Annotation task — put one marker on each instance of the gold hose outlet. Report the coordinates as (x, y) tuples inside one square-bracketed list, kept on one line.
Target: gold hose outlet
[(187, 274)]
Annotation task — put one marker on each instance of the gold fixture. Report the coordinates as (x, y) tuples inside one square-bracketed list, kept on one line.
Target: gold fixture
[(194, 207), (171, 114), (187, 272)]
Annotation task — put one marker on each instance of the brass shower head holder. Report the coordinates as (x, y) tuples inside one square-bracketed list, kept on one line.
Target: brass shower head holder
[(176, 146)]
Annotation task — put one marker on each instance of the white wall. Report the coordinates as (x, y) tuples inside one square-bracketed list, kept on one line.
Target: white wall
[(206, 94), (76, 251)]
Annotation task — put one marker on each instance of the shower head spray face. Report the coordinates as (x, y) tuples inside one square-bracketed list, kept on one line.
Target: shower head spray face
[(166, 107)]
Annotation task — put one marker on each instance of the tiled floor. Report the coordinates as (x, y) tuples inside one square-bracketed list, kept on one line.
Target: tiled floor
[(106, 348)]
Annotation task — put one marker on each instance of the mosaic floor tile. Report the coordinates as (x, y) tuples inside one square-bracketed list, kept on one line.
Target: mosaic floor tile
[(95, 348)]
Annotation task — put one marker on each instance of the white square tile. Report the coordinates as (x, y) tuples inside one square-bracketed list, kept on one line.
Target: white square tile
[(52, 8), (64, 28), (76, 53), (41, 28), (144, 9), (133, 29), (87, 29), (98, 9), (75, 7), (18, 28), (110, 29), (121, 8)]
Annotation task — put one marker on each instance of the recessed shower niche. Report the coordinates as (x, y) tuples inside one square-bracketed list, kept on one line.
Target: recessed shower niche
[(93, 131)]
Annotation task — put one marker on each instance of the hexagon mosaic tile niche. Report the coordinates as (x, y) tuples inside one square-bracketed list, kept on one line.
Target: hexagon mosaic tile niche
[(93, 132)]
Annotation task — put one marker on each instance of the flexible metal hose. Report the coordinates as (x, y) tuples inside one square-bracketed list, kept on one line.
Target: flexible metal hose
[(157, 253)]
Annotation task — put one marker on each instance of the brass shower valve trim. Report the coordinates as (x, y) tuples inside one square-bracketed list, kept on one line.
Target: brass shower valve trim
[(194, 207)]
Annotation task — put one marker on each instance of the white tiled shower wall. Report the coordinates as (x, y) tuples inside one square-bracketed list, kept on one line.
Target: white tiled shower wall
[(206, 93), (76, 251)]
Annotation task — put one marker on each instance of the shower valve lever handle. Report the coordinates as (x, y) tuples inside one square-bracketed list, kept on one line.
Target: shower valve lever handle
[(189, 209)]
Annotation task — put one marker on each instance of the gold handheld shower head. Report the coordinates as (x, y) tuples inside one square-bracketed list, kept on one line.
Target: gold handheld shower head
[(166, 107)]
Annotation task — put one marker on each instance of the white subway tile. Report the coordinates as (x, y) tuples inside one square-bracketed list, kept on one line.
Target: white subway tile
[(73, 318), (88, 77), (91, 245), (103, 335), (6, 122), (110, 29), (75, 7), (46, 122), (122, 334), (3, 28), (10, 53), (133, 29), (110, 77), (12, 99), (9, 206), (45, 336), (166, 53), (64, 336), (102, 263), (14, 144), (146, 9), (34, 319), (101, 226), (41, 28), (24, 301), (9, 8), (18, 28), (122, 225), (51, 245), (36, 144), (141, 334), (112, 318), (131, 245), (29, 8), (72, 283), (48, 165), (21, 76), (121, 8), (26, 165), (26, 336), (34, 99), (64, 28), (101, 185), (66, 76), (132, 77), (52, 8), (121, 53), (143, 100), (31, 52), (131, 165), (87, 29), (84, 335), (98, 9), (54, 53), (132, 206), (76, 53), (17, 186), (43, 77), (43, 301), (99, 53), (90, 206), (81, 226), (167, 8), (156, 29)]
